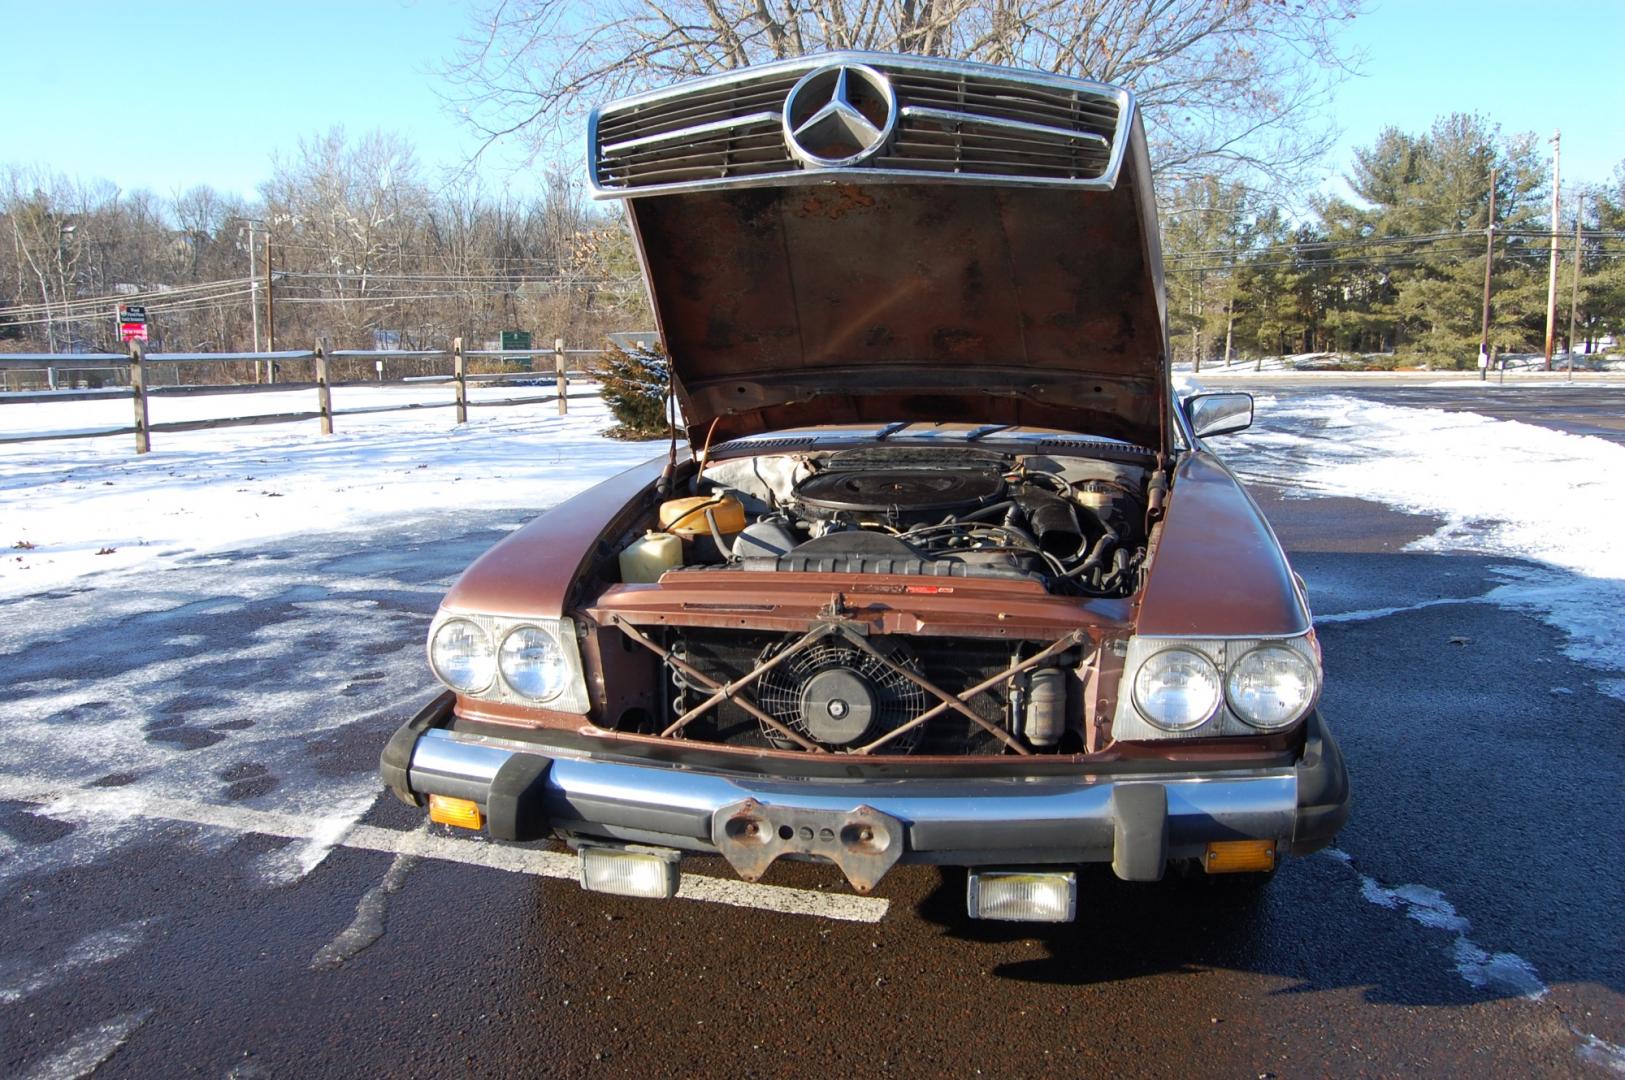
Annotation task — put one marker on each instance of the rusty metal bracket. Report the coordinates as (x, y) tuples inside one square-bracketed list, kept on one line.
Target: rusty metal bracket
[(863, 842)]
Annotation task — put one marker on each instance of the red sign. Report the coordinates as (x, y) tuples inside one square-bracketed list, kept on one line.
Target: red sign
[(132, 322)]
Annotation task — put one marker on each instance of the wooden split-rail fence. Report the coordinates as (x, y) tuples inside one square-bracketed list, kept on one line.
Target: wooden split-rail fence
[(139, 364)]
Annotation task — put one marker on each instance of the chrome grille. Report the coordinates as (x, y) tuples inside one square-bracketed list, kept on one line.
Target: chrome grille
[(721, 132), (955, 121)]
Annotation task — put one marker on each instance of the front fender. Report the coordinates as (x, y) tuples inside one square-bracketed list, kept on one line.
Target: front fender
[(530, 572), (1217, 569)]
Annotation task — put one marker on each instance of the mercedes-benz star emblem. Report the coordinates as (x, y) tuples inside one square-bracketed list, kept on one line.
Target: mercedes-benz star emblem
[(839, 115)]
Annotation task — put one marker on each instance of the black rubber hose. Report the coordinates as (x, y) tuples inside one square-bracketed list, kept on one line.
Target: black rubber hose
[(1097, 555), (989, 511)]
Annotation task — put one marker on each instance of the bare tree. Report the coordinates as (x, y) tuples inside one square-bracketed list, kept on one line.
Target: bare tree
[(341, 212), (1227, 86)]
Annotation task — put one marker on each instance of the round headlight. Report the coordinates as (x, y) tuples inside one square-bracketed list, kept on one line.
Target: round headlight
[(533, 664), (1271, 686), (1177, 689), (462, 656)]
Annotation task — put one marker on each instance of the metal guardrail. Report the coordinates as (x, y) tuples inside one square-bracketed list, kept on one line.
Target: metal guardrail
[(138, 362)]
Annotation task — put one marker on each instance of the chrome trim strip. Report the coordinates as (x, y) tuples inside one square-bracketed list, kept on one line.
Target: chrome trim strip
[(750, 121), (443, 765), (1046, 817), (952, 116)]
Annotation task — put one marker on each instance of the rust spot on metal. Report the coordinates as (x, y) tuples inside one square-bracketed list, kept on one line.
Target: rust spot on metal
[(835, 203)]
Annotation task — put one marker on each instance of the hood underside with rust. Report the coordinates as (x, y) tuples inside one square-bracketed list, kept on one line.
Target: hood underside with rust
[(784, 307)]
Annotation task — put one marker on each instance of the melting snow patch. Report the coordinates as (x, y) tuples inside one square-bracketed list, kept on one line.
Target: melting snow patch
[(101, 947), (1600, 1052), (1428, 906), (84, 1053), (1382, 613), (368, 924), (1503, 969)]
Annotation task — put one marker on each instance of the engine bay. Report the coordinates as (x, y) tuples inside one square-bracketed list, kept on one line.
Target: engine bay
[(1076, 524)]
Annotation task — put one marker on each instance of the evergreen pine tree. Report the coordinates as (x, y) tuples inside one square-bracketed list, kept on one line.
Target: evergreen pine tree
[(634, 386)]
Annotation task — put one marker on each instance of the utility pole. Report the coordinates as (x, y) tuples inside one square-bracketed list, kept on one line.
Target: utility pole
[(1551, 280), (270, 306), (1196, 325), (1574, 288), (1489, 262), (253, 284), (254, 293)]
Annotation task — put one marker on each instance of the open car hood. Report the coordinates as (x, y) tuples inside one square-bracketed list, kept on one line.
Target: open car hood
[(790, 294)]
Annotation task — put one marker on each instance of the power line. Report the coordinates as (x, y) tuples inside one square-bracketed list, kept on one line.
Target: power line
[(148, 297), (234, 296)]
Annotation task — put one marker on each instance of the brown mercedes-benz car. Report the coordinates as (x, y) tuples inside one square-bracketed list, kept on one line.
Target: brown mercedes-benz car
[(950, 575)]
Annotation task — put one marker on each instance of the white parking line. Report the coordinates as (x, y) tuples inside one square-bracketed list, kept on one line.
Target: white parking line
[(133, 803)]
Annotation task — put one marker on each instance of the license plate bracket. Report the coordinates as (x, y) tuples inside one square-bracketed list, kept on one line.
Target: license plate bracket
[(863, 842)]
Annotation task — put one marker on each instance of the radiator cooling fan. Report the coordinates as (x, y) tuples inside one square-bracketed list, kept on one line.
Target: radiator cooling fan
[(841, 698)]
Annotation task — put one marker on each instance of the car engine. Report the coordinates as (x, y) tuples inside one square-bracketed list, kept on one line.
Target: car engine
[(1076, 524)]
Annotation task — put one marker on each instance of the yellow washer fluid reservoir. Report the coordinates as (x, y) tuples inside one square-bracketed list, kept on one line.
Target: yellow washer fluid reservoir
[(643, 561), (686, 517)]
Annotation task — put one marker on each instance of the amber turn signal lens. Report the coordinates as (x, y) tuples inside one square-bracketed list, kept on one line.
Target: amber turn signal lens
[(1240, 856), (463, 813)]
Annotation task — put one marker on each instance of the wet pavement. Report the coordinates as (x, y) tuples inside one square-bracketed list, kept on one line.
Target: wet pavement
[(170, 905)]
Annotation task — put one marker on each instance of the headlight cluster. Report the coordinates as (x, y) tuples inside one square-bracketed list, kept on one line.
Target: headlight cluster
[(1200, 687), (505, 660)]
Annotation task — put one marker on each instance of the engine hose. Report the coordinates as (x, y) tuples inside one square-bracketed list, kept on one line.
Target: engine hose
[(716, 536), (988, 511), (1097, 555), (1027, 539)]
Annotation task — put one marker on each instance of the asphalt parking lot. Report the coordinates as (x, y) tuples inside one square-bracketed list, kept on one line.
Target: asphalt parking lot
[(176, 907)]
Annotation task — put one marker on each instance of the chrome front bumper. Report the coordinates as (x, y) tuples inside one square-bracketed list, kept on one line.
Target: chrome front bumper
[(1134, 821)]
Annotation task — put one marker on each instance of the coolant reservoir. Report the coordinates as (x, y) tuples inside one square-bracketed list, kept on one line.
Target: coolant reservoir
[(643, 561), (686, 517)]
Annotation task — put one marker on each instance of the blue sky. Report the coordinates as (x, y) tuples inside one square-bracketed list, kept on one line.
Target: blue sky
[(170, 93)]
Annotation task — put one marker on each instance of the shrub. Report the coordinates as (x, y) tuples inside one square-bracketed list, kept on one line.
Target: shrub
[(634, 386)]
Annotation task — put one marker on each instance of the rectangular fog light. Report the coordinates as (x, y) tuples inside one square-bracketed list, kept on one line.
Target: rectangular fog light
[(1022, 895), (629, 871), (1239, 856)]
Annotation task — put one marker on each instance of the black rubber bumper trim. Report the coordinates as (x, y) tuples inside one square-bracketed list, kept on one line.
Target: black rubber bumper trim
[(1323, 789), (396, 759), (513, 809), (1140, 831)]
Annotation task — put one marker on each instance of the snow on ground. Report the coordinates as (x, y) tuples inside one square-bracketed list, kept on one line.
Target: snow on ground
[(259, 615), (1502, 488), (90, 505), (1356, 363)]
